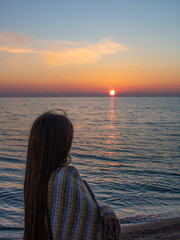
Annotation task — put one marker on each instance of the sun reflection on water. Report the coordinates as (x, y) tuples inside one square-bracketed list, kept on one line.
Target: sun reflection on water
[(111, 110), (111, 136)]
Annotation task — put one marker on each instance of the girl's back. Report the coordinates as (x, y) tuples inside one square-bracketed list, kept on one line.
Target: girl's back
[(74, 213)]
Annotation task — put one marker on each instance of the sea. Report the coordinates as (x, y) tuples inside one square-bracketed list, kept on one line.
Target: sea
[(126, 148)]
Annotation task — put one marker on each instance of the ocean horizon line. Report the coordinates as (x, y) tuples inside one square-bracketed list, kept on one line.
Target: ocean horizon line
[(88, 96)]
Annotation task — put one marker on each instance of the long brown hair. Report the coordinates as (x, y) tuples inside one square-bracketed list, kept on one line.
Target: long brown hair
[(48, 149)]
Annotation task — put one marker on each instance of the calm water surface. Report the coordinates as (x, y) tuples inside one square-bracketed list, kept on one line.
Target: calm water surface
[(128, 149)]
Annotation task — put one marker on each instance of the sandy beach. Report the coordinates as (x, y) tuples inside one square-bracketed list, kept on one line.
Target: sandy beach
[(164, 229)]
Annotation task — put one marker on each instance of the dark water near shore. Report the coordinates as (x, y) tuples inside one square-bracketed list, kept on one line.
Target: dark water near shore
[(128, 150)]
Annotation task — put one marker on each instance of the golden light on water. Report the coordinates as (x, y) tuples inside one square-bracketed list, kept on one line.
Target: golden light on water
[(112, 92)]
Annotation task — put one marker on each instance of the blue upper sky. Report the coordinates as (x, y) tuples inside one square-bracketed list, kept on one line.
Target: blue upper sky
[(128, 21)]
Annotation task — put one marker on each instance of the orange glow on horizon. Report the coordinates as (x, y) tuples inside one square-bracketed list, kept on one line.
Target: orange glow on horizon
[(82, 68)]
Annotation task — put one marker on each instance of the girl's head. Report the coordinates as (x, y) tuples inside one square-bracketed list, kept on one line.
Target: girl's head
[(50, 141), (49, 146)]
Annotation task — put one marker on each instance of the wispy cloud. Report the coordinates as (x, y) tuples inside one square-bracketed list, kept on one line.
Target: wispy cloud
[(17, 50), (88, 53), (13, 39), (58, 52), (135, 64)]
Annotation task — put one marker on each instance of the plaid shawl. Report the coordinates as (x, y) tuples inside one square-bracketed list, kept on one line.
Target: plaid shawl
[(75, 213)]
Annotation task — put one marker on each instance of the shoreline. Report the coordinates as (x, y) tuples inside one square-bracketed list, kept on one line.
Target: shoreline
[(168, 229)]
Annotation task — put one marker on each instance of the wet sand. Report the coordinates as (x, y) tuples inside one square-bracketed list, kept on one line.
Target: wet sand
[(165, 229)]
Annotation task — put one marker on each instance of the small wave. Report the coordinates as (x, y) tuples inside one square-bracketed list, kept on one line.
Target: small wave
[(150, 123), (149, 218), (4, 228), (151, 172), (92, 157), (8, 159)]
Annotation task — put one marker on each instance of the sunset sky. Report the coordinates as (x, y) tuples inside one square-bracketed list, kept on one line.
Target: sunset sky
[(86, 48)]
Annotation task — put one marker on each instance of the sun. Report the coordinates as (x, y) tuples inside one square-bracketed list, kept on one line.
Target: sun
[(112, 92)]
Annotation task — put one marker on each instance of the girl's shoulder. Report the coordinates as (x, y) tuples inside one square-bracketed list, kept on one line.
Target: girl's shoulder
[(69, 169), (66, 173)]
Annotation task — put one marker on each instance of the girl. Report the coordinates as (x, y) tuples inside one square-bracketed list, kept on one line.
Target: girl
[(59, 204)]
